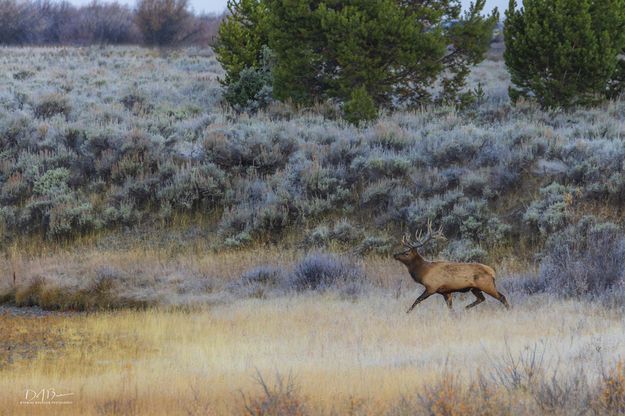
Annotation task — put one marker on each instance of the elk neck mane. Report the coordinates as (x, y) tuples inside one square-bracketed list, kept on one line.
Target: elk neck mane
[(419, 267)]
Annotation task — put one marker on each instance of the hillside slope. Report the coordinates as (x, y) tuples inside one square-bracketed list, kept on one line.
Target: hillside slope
[(123, 147)]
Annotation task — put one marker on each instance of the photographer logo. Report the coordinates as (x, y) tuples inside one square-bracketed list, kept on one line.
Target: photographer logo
[(46, 397)]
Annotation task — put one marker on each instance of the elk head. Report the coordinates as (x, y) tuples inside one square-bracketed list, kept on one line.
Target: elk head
[(411, 252)]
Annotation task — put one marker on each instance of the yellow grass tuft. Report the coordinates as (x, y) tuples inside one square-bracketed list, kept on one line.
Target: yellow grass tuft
[(611, 397)]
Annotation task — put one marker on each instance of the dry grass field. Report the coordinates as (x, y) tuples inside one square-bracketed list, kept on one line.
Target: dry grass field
[(363, 355)]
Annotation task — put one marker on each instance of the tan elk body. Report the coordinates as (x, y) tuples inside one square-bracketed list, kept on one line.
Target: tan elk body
[(444, 277)]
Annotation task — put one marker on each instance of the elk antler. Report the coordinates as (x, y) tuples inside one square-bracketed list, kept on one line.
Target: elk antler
[(421, 241)]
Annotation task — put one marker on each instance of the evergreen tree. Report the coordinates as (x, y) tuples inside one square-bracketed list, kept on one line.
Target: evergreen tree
[(396, 49), (242, 37), (252, 90), (360, 107), (296, 37), (565, 52)]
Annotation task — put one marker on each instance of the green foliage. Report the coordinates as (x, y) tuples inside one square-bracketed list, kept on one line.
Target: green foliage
[(360, 107), (468, 39), (366, 54), (565, 52), (242, 36), (242, 51), (53, 183), (395, 50), (252, 90), (551, 212)]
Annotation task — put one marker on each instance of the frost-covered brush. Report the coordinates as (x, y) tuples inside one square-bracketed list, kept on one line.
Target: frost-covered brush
[(444, 277)]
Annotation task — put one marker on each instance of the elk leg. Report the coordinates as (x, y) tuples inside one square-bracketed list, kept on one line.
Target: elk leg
[(420, 299), (449, 301), (497, 295), (503, 300), (480, 298)]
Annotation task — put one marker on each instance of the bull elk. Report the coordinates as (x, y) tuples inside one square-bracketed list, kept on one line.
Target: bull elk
[(444, 277)]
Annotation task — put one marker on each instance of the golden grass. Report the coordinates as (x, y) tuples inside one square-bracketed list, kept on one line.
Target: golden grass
[(161, 270), (347, 356), (141, 275), (226, 264), (153, 275), (341, 352)]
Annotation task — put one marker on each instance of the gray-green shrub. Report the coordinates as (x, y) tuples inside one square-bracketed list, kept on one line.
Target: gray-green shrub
[(319, 271), (585, 260)]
